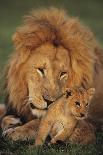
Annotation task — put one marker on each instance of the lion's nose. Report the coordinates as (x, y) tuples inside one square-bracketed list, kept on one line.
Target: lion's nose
[(32, 105), (82, 115), (48, 101)]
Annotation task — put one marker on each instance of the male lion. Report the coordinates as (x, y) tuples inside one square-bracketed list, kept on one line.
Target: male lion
[(53, 51)]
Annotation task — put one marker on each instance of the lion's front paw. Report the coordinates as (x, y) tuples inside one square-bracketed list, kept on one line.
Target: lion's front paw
[(19, 133), (10, 122), (8, 131), (14, 134)]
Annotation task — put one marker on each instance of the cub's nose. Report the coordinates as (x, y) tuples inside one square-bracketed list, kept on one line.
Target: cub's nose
[(82, 115)]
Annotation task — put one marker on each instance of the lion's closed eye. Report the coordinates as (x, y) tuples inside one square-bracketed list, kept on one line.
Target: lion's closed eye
[(41, 71), (63, 75)]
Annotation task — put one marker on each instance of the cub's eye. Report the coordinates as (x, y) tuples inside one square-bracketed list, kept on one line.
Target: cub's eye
[(87, 105), (41, 71), (63, 74), (77, 104), (11, 124), (68, 94)]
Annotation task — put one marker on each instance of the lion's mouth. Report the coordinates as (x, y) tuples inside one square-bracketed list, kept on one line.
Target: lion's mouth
[(34, 107), (49, 102)]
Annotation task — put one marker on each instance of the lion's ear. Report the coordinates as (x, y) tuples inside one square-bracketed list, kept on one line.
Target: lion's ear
[(25, 41), (22, 42), (17, 39)]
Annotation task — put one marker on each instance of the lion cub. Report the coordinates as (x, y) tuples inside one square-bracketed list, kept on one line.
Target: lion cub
[(64, 119)]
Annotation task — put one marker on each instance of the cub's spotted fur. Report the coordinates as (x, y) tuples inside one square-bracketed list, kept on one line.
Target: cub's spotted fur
[(64, 119)]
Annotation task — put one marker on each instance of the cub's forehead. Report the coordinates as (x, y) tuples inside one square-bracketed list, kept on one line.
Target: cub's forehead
[(50, 53), (80, 93)]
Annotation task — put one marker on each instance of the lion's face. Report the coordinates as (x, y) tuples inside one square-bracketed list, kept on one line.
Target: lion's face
[(47, 75)]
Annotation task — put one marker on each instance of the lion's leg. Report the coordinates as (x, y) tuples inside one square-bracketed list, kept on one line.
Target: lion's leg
[(2, 110), (24, 132)]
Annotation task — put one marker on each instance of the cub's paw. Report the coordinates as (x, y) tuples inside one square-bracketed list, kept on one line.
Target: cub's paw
[(53, 141)]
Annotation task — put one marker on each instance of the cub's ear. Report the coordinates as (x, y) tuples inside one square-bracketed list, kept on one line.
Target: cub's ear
[(69, 92), (91, 92)]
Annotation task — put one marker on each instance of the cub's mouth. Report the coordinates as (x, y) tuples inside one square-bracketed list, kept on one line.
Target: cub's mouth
[(79, 117)]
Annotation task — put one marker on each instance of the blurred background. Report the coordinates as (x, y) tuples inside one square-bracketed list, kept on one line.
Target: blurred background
[(11, 12)]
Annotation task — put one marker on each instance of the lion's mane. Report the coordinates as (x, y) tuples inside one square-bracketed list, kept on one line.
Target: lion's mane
[(54, 26)]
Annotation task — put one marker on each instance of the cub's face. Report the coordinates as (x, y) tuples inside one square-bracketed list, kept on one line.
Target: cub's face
[(47, 75), (78, 102)]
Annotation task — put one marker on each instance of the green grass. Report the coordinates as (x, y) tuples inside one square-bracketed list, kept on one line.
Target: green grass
[(23, 148), (91, 13)]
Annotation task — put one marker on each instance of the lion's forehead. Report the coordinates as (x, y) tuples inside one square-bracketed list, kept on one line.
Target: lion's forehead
[(48, 54)]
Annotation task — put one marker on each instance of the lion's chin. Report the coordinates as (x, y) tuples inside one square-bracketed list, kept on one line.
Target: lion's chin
[(40, 104), (38, 113), (35, 105)]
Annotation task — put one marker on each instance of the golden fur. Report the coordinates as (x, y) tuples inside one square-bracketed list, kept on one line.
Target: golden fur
[(67, 52), (64, 115)]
